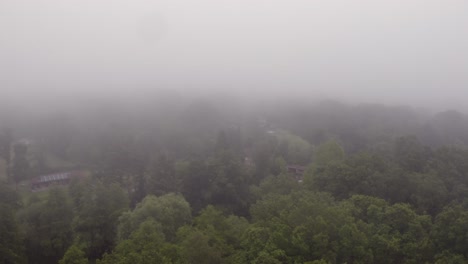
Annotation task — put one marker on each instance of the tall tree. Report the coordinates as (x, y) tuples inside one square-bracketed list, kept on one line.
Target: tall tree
[(11, 250), (56, 224), (21, 168), (6, 141), (410, 154), (161, 176), (47, 226), (97, 218)]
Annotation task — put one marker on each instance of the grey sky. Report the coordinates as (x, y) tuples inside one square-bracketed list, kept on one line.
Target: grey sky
[(406, 51)]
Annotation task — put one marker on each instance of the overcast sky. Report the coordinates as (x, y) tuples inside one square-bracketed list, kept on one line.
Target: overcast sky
[(394, 51)]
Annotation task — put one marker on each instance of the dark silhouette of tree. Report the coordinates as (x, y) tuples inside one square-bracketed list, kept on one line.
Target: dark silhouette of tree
[(6, 142), (11, 247), (21, 168)]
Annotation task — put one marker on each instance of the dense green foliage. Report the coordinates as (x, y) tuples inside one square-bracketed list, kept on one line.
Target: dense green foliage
[(381, 185)]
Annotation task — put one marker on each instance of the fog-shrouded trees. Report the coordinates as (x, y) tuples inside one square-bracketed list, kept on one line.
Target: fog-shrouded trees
[(11, 244), (221, 181), (199, 184), (96, 220), (6, 142), (161, 176), (48, 227), (170, 210), (21, 168)]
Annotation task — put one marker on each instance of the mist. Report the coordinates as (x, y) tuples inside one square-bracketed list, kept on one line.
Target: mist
[(395, 52), (214, 131)]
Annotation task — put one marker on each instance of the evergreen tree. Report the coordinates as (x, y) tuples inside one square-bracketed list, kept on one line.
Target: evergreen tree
[(21, 168)]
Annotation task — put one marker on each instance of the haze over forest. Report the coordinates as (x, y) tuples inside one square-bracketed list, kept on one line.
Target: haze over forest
[(233, 132), (397, 52)]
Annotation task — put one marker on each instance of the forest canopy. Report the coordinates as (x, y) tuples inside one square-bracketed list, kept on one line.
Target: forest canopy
[(198, 182)]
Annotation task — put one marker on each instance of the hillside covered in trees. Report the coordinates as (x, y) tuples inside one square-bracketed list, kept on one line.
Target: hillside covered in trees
[(209, 181)]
